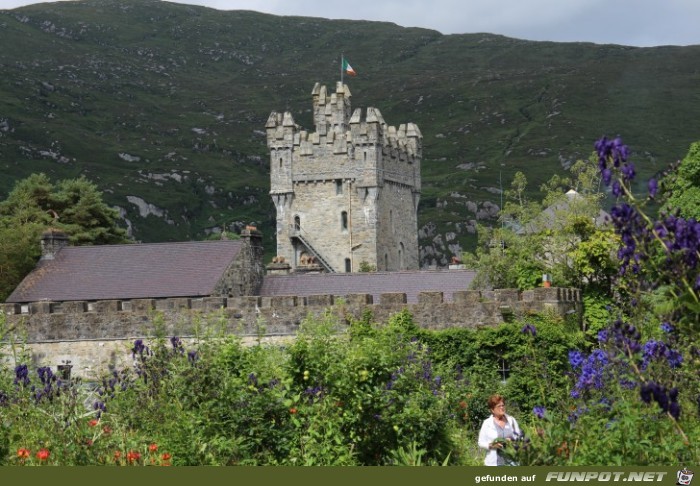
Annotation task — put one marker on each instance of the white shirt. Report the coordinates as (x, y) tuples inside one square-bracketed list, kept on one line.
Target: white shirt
[(490, 432)]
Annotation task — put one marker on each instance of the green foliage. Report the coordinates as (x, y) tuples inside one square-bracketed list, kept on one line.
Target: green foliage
[(34, 205), (558, 237), (381, 394), (681, 187), (596, 313), (366, 267)]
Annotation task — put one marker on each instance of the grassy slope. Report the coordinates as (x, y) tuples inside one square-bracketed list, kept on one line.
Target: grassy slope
[(93, 79)]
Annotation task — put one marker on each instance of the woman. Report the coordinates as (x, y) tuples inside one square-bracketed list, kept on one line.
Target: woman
[(498, 426)]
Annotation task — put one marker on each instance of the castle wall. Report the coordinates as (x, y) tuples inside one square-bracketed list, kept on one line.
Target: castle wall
[(96, 335), (245, 274), (397, 228)]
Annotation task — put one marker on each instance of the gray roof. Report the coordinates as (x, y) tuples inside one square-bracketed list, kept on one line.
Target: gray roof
[(375, 283), (137, 271)]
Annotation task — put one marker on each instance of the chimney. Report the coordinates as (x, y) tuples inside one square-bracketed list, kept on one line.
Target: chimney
[(253, 245), (52, 241)]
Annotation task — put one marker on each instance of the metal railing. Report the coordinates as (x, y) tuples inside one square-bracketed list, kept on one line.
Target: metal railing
[(295, 231)]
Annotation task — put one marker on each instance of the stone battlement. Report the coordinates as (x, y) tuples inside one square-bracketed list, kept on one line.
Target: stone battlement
[(251, 303), (94, 336)]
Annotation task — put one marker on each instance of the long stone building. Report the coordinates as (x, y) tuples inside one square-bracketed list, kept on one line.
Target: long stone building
[(346, 194)]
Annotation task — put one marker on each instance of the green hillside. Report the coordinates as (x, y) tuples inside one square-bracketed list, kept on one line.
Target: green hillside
[(164, 106)]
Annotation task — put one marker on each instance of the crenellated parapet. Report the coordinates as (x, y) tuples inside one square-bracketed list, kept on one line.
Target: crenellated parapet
[(343, 145), (255, 304), (95, 335)]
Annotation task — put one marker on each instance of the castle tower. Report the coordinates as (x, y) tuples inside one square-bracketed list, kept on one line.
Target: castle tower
[(346, 194)]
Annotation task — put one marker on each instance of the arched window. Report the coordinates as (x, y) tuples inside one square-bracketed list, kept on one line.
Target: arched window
[(386, 261), (344, 220), (401, 253), (348, 265), (280, 162), (297, 223)]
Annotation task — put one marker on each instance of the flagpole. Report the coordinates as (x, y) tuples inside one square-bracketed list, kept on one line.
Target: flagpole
[(342, 59)]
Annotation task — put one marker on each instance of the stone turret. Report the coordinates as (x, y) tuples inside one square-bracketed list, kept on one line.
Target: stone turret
[(348, 192)]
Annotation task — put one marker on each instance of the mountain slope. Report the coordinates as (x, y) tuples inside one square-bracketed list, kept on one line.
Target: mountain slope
[(164, 106)]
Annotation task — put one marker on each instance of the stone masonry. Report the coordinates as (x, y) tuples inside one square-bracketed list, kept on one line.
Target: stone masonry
[(347, 193), (95, 336)]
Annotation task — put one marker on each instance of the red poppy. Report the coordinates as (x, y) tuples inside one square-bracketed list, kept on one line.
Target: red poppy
[(292, 410), (133, 456), (107, 430), (93, 422), (23, 453), (153, 447), (117, 455), (43, 454), (166, 459), (462, 404)]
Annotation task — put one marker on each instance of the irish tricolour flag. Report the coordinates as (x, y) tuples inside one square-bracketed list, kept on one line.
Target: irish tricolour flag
[(348, 68)]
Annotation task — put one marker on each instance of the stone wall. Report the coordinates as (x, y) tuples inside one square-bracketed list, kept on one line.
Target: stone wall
[(96, 335)]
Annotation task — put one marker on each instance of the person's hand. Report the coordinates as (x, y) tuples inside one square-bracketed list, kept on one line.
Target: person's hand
[(498, 443)]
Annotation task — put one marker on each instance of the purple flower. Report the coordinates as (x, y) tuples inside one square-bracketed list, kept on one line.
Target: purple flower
[(575, 358), (602, 336), (594, 371), (628, 172), (675, 410), (539, 411), (667, 327), (611, 151), (529, 329), (616, 189), (21, 375), (653, 188), (177, 345)]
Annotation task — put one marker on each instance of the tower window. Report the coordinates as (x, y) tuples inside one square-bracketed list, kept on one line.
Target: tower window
[(280, 162), (348, 265), (338, 186), (344, 220)]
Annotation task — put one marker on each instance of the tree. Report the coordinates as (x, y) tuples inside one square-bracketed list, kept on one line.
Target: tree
[(682, 185), (35, 205), (547, 237)]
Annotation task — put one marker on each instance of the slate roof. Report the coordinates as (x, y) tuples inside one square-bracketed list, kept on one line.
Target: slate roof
[(375, 283), (136, 271)]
